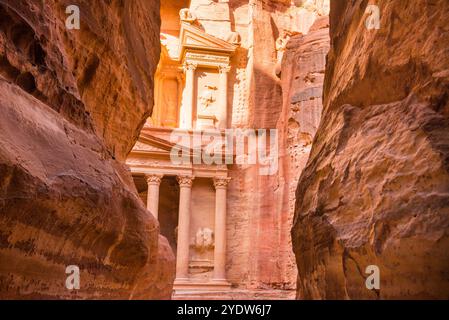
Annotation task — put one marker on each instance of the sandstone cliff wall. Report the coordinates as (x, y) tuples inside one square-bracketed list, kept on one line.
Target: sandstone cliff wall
[(376, 187), (260, 208), (302, 79), (71, 103)]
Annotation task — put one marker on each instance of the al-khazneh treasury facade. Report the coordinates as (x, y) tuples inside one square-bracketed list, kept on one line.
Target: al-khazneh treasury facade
[(228, 225)]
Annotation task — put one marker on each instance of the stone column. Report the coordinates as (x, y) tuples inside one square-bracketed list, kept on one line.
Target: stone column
[(220, 229), (183, 245), (223, 97), (189, 101), (154, 182)]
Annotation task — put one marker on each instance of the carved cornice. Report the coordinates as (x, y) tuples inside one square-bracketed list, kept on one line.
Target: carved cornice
[(154, 179), (221, 183), (185, 181), (207, 59)]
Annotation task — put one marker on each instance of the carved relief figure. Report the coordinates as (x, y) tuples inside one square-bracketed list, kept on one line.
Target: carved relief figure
[(281, 42), (207, 96), (204, 239), (234, 38), (187, 15), (281, 45)]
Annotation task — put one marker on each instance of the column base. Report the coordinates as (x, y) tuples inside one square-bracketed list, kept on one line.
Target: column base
[(192, 285)]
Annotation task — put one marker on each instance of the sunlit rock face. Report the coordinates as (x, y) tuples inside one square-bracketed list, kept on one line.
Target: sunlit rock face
[(376, 187), (263, 206), (302, 78), (72, 104)]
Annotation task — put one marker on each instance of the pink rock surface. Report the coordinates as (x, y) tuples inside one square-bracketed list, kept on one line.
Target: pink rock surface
[(260, 208), (71, 103), (376, 187)]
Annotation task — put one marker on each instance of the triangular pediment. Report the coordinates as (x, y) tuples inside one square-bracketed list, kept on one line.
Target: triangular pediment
[(194, 38), (152, 144)]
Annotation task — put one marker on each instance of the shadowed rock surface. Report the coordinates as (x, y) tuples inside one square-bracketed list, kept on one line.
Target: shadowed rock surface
[(376, 187), (72, 103)]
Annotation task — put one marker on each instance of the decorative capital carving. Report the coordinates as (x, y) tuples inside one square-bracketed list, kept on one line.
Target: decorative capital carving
[(221, 183), (154, 179), (224, 69), (185, 181), (190, 66)]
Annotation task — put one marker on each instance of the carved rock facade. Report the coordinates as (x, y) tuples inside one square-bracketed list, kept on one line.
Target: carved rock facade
[(218, 70)]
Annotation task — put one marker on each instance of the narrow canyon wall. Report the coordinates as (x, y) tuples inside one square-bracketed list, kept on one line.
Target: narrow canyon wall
[(72, 103), (376, 187)]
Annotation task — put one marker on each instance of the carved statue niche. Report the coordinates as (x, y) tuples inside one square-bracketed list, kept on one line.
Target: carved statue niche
[(187, 15), (204, 239)]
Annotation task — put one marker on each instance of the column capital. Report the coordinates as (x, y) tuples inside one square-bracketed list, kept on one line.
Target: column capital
[(221, 183), (224, 69), (154, 179), (190, 66), (185, 181)]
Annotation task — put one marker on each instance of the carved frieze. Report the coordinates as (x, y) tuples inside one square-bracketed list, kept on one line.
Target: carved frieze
[(207, 59)]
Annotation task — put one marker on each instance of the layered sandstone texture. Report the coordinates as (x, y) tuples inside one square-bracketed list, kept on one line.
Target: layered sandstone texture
[(302, 78), (376, 187), (72, 103), (261, 206)]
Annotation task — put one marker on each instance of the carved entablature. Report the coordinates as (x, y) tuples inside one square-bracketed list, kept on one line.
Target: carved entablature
[(208, 60)]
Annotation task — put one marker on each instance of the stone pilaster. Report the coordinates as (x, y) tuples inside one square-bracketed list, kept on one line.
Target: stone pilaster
[(221, 185)]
